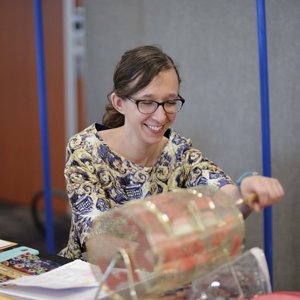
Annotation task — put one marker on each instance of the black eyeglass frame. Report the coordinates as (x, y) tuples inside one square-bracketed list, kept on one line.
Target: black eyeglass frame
[(157, 104)]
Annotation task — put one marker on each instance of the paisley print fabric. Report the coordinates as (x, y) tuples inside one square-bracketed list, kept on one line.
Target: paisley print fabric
[(99, 179)]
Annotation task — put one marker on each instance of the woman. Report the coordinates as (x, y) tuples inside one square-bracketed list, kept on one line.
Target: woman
[(135, 153)]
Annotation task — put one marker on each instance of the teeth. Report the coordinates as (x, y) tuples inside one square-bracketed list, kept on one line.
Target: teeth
[(156, 128)]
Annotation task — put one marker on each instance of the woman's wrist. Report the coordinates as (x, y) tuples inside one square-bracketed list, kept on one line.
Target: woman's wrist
[(242, 177)]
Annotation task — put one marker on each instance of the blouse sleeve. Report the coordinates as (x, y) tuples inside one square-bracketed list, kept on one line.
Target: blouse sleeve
[(86, 197), (202, 171)]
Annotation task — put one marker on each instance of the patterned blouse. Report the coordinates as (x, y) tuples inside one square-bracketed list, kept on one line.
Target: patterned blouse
[(99, 179)]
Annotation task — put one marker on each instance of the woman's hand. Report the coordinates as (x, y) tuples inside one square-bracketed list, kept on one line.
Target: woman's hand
[(257, 192), (264, 190)]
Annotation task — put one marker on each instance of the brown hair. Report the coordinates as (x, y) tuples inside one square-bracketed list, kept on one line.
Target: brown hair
[(139, 65)]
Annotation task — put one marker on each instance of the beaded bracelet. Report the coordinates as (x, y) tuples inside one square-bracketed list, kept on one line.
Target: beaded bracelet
[(241, 178)]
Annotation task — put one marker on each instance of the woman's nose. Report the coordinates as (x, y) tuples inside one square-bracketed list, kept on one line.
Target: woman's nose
[(160, 114)]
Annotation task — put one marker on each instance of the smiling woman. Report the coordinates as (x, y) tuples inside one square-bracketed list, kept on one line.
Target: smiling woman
[(136, 153), (146, 118)]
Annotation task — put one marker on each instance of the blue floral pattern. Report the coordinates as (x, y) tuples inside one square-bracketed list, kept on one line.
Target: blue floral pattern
[(99, 179)]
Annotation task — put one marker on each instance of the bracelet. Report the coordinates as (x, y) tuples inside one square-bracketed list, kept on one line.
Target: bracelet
[(241, 178)]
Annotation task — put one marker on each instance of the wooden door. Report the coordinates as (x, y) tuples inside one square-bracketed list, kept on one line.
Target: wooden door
[(20, 149)]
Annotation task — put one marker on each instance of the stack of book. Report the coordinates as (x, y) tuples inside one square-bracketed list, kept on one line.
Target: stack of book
[(18, 261)]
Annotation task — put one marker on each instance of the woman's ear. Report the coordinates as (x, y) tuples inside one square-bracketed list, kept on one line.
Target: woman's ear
[(117, 102)]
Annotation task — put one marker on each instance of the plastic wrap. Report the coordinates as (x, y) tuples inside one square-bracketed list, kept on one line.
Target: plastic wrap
[(243, 278)]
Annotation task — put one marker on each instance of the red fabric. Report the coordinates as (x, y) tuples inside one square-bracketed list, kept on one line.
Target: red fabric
[(279, 296)]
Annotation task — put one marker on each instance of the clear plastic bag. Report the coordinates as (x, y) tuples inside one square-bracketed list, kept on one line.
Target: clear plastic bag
[(243, 278)]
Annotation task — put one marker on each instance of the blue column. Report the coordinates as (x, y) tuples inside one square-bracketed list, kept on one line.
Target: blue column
[(265, 124), (44, 124)]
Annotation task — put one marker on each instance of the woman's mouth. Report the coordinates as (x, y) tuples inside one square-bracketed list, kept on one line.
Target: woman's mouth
[(155, 128)]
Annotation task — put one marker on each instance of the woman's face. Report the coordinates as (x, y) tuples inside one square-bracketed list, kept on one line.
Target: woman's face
[(150, 128)]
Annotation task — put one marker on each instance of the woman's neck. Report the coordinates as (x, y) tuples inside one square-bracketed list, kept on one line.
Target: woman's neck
[(142, 155)]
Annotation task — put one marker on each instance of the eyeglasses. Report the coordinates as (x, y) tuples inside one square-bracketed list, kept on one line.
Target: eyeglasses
[(150, 106)]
